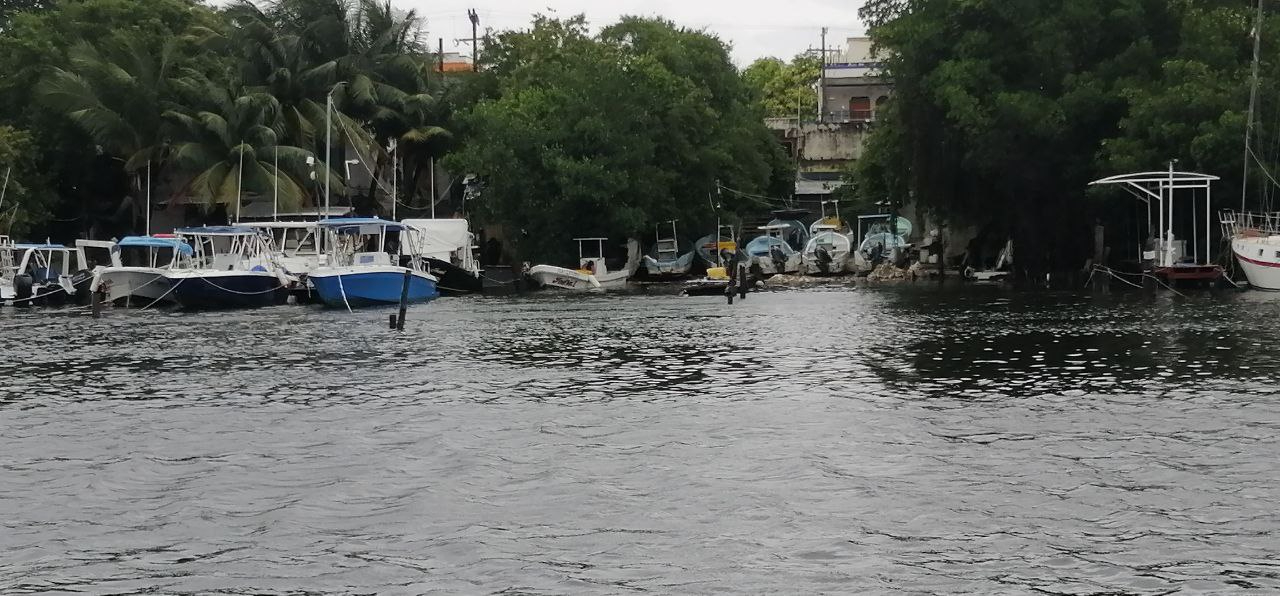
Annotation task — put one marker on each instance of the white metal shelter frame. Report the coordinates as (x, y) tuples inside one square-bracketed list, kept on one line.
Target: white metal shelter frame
[(1161, 190)]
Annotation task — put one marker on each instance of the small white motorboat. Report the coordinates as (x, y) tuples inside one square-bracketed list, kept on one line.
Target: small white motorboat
[(138, 270), (592, 273), (828, 252)]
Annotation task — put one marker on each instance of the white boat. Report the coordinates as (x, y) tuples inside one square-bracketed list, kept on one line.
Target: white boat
[(298, 245), (137, 277), (592, 273), (771, 253), (35, 273), (447, 248), (666, 262), (829, 251), (1255, 242)]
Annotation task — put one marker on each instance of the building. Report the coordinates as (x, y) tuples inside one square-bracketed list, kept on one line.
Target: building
[(853, 86), (851, 91)]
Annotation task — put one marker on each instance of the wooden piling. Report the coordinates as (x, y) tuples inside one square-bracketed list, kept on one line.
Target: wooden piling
[(404, 300), (95, 304)]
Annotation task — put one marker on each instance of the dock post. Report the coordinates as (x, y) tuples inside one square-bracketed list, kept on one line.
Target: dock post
[(393, 321), (95, 304), (744, 278), (404, 301)]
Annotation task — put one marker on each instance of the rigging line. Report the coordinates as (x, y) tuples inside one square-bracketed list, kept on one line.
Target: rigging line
[(1264, 171), (752, 196), (356, 148)]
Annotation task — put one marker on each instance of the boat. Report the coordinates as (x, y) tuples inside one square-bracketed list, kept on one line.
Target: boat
[(296, 244), (714, 249), (666, 262), (830, 248), (137, 275), (35, 274), (231, 267), (360, 271), (771, 254), (829, 252), (1178, 249), (91, 254), (592, 273), (447, 247)]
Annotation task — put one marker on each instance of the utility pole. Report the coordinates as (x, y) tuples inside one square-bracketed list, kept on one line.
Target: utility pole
[(822, 80), (475, 48), (328, 150), (440, 56)]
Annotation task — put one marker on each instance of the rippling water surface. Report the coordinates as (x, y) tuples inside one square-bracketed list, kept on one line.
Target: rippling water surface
[(866, 441)]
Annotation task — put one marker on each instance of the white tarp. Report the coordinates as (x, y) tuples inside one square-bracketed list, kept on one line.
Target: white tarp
[(438, 238)]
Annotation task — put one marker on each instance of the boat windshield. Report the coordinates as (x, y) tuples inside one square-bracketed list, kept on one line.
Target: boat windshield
[(145, 256)]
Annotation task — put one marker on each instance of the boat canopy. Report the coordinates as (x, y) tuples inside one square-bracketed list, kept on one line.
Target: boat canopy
[(216, 231), (45, 246), (361, 225), (153, 242)]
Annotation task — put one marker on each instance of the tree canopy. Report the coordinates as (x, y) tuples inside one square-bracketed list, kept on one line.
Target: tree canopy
[(612, 133), (1003, 111), (786, 89)]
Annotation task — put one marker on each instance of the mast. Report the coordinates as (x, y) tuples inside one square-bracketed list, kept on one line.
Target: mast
[(1253, 104), (328, 151)]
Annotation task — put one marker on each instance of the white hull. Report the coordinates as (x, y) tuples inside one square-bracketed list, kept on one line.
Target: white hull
[(567, 279), (130, 283), (791, 265), (1260, 259), (840, 263)]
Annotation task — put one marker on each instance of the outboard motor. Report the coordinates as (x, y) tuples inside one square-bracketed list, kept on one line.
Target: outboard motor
[(23, 290), (824, 259), (779, 259)]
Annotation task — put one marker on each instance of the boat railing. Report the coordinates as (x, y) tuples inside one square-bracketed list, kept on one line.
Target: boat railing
[(1245, 223)]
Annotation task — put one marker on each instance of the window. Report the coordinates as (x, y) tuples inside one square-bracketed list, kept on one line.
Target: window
[(860, 108)]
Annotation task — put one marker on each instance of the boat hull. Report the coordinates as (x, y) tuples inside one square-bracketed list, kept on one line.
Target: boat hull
[(676, 268), (131, 284), (211, 290), (454, 280), (357, 287), (566, 279), (1259, 259), (767, 266), (837, 265)]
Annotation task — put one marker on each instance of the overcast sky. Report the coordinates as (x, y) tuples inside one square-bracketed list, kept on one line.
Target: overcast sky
[(754, 28)]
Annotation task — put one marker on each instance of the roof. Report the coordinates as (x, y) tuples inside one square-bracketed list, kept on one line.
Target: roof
[(153, 242), (216, 231), (279, 224), (1156, 177)]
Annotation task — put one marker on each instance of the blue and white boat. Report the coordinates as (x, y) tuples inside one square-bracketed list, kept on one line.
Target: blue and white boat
[(360, 270), (232, 267), (667, 262)]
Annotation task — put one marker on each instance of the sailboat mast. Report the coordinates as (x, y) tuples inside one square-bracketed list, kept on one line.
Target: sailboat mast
[(1253, 104)]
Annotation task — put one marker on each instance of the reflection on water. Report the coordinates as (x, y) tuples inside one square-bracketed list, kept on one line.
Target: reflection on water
[(876, 440)]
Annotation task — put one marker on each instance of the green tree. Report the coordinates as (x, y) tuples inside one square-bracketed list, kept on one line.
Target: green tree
[(610, 134), (25, 193), (1003, 112), (786, 89)]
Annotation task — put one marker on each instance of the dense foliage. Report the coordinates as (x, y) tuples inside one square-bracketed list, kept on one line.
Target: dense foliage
[(1004, 111), (787, 89), (212, 103), (607, 135)]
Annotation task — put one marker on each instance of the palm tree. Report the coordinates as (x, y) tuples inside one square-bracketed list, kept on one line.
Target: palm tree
[(232, 146), (116, 94)]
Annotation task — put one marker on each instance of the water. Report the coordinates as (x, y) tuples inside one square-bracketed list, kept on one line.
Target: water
[(866, 441)]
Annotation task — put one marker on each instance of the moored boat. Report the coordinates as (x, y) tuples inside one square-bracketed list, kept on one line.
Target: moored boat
[(35, 274), (772, 254), (592, 272), (138, 270), (667, 262), (360, 271), (447, 249), (828, 251), (232, 267)]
